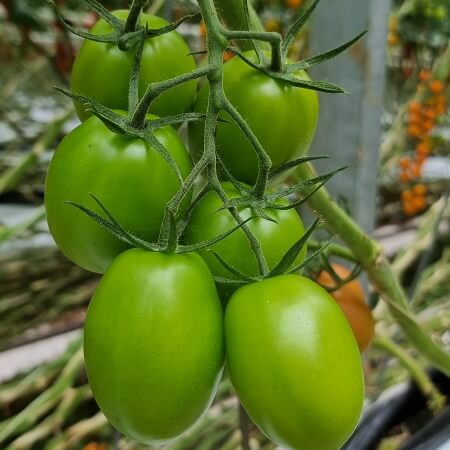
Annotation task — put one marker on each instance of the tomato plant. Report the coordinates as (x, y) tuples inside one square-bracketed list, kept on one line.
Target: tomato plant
[(207, 221), (154, 333), (283, 118), (294, 362), (101, 71), (153, 343), (127, 174), (350, 297)]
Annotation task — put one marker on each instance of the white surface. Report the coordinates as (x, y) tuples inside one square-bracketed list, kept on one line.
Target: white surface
[(26, 357)]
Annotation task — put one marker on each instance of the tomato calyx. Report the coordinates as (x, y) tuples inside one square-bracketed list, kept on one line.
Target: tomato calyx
[(305, 189), (125, 33), (170, 234), (285, 265)]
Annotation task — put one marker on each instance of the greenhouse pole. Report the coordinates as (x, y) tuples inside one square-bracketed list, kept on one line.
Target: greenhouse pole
[(349, 126)]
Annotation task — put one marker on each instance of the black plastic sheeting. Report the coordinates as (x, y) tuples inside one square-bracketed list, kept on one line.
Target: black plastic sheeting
[(404, 404)]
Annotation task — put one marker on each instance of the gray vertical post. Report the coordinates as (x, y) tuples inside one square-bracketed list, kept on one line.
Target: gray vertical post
[(349, 126)]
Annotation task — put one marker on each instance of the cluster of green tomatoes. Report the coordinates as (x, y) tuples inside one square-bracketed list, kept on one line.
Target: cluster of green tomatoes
[(159, 329)]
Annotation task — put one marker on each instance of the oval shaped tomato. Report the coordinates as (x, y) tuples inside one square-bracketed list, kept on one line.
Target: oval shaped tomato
[(276, 238), (283, 118), (102, 71), (350, 297), (126, 174), (294, 362), (153, 343)]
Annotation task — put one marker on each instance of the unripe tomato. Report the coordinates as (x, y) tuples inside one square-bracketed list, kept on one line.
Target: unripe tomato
[(283, 118), (102, 71), (350, 297), (153, 343), (276, 238), (126, 174), (294, 362)]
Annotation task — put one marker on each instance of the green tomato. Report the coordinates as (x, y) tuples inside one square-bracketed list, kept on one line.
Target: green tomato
[(294, 362), (153, 343), (276, 237), (282, 117), (126, 174), (102, 71)]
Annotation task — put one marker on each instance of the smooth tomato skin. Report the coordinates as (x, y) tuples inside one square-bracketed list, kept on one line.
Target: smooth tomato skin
[(350, 297), (207, 222), (294, 362), (102, 71), (153, 343), (126, 174), (282, 117)]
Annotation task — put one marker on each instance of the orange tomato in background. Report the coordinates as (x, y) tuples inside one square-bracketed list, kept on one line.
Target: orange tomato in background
[(350, 298)]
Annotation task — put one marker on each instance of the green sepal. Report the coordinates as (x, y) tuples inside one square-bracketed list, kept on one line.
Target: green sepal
[(241, 276), (302, 186), (187, 214), (115, 23), (228, 175), (321, 86), (121, 125), (296, 26), (259, 53), (104, 13), (311, 257), (356, 271), (269, 199), (112, 226), (319, 59), (115, 122), (291, 255), (229, 281), (176, 119), (296, 162), (207, 243)]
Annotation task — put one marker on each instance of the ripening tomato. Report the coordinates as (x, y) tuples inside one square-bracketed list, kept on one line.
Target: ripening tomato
[(283, 118), (294, 362), (102, 71), (126, 174), (276, 238), (350, 297), (153, 343)]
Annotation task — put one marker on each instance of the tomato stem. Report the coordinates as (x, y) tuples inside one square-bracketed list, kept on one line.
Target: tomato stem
[(156, 89), (436, 401)]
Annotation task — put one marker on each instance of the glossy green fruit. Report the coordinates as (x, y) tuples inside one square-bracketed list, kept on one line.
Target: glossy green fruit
[(283, 118), (126, 174), (276, 238), (102, 71), (153, 343), (294, 362)]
